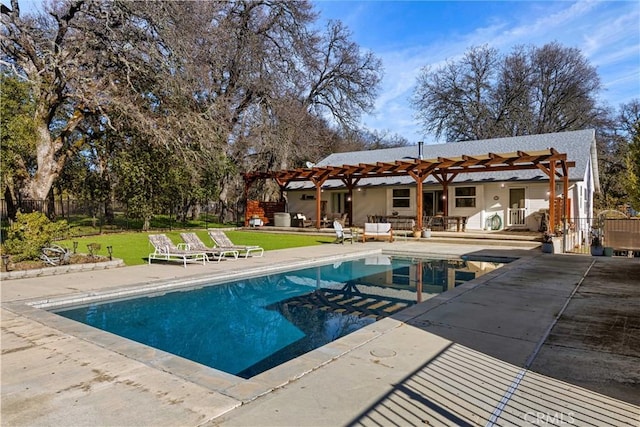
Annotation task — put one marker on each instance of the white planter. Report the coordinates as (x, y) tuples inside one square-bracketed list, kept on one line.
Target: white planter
[(552, 247)]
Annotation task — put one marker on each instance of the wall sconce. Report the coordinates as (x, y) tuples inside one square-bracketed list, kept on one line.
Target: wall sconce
[(444, 197), (348, 198), (110, 250), (502, 185), (359, 189)]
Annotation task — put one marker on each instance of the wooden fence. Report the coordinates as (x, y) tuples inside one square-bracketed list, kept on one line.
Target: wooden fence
[(622, 234)]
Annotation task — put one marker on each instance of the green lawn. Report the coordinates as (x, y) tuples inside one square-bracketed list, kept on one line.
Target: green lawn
[(133, 248)]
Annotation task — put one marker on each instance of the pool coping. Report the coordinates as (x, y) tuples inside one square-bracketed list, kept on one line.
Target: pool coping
[(240, 389)]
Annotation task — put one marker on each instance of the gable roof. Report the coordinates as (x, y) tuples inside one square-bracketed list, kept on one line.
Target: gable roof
[(579, 146)]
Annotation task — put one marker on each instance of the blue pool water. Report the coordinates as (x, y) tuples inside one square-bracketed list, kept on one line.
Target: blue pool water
[(251, 325)]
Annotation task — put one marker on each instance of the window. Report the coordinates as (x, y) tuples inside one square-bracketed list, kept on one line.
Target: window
[(465, 197), (401, 198), (401, 276)]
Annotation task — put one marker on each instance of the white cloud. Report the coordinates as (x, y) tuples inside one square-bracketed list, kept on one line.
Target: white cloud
[(607, 33)]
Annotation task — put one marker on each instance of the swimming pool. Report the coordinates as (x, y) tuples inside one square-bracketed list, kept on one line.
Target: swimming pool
[(251, 325)]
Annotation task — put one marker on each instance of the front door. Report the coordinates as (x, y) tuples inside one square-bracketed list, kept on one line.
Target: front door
[(340, 203), (516, 212), (432, 203)]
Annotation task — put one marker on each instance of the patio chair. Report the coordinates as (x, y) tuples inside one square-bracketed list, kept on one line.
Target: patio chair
[(165, 249), (195, 244), (341, 233), (55, 255), (221, 241)]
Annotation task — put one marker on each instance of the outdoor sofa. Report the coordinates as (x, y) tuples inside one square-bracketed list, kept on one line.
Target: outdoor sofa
[(377, 230)]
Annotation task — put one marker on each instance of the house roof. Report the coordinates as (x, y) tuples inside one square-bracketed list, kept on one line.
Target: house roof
[(579, 147)]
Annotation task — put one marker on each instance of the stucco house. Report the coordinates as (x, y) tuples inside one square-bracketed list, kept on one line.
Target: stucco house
[(500, 197)]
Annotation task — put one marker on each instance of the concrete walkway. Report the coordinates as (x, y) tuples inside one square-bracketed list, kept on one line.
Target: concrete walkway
[(545, 339)]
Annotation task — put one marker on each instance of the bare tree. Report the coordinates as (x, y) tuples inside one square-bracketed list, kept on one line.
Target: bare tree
[(530, 91), (456, 99), (563, 89), (217, 83), (339, 78), (41, 50)]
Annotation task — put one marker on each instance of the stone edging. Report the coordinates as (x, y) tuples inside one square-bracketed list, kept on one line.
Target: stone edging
[(62, 269)]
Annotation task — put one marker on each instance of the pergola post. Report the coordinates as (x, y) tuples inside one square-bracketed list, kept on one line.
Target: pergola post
[(282, 184), (552, 196), (419, 206), (319, 182), (565, 191), (350, 183), (445, 199), (318, 205), (445, 180), (419, 178)]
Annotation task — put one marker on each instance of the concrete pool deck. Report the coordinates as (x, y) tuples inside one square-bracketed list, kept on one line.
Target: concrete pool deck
[(548, 338)]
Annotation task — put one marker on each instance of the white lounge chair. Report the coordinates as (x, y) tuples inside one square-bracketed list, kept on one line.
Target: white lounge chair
[(342, 234), (166, 250), (221, 241), (195, 244)]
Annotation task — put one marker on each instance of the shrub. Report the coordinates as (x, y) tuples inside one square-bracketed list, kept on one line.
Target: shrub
[(30, 233)]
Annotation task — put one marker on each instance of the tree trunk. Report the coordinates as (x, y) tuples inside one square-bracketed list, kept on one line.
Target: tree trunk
[(50, 156), (108, 210), (12, 210), (39, 185), (51, 205), (196, 209)]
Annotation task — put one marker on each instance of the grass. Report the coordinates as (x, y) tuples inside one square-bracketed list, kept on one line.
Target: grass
[(133, 248), (82, 225)]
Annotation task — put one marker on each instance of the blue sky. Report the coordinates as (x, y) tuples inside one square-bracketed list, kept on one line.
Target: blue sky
[(408, 35)]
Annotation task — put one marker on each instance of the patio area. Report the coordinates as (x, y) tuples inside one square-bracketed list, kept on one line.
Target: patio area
[(495, 350)]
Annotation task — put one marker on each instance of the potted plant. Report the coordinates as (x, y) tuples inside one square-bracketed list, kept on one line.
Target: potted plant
[(547, 243), (426, 233), (596, 242), (417, 231)]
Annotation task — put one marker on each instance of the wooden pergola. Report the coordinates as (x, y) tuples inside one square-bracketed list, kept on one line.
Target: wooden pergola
[(444, 169)]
